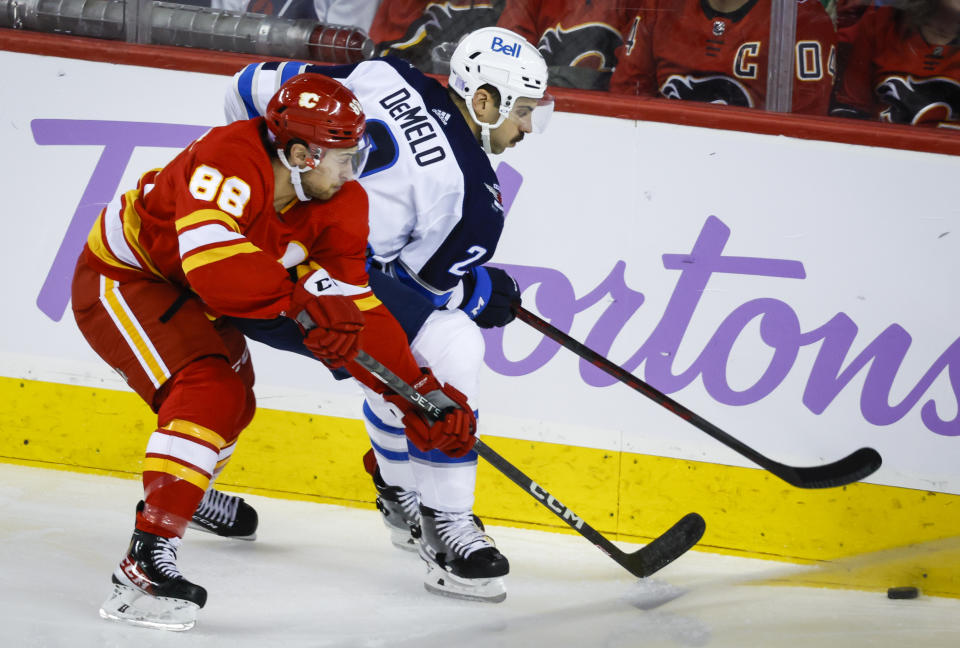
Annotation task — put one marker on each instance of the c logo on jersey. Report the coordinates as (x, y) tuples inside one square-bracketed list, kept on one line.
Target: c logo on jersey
[(919, 101), (716, 89), (308, 99)]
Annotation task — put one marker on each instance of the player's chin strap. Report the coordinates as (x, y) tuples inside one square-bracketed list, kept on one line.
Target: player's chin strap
[(485, 128), (294, 175)]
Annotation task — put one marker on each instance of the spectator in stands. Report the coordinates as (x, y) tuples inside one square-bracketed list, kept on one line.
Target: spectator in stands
[(904, 66), (578, 38), (425, 32), (716, 51)]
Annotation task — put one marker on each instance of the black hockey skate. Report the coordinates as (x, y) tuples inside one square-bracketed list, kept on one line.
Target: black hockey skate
[(225, 515), (461, 560), (401, 513), (148, 589)]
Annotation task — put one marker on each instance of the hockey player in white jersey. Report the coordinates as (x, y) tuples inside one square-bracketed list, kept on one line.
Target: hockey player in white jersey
[(435, 219)]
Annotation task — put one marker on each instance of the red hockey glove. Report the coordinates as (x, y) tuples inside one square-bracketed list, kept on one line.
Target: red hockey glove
[(331, 322), (454, 434)]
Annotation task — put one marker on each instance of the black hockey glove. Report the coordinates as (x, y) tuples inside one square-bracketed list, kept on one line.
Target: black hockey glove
[(489, 294)]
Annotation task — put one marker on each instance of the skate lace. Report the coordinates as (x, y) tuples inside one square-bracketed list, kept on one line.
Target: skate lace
[(163, 555), (218, 507), (410, 503), (459, 532)]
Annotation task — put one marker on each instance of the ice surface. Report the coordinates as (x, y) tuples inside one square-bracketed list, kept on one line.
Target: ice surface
[(321, 575)]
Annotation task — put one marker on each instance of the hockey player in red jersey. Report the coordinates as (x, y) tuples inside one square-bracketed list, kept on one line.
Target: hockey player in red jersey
[(904, 66), (716, 51), (201, 239), (578, 38)]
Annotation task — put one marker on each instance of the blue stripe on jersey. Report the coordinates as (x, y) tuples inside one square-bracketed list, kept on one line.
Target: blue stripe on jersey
[(289, 70), (245, 89), (378, 422), (391, 455), (437, 301), (437, 457), (433, 456)]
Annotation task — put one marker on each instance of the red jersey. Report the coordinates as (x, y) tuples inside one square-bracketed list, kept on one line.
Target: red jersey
[(572, 33), (206, 222), (684, 49), (894, 75), (411, 29)]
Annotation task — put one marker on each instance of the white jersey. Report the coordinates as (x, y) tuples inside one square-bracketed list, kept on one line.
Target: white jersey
[(435, 205)]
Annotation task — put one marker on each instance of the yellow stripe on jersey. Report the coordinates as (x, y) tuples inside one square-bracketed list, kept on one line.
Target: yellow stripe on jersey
[(132, 331), (286, 208), (206, 215), (187, 428), (100, 249), (131, 230), (367, 303), (213, 255), (155, 464)]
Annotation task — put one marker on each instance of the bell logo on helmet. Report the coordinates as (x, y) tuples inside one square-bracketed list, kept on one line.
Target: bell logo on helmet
[(510, 49), (309, 99), (356, 107)]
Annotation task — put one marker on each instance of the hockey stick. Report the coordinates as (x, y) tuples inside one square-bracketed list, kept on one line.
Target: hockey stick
[(851, 468), (641, 563)]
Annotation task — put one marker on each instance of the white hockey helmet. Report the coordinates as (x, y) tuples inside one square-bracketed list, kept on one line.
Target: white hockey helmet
[(508, 62)]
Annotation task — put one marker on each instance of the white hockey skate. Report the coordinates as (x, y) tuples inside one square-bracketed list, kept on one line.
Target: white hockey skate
[(461, 560), (148, 589), (401, 513)]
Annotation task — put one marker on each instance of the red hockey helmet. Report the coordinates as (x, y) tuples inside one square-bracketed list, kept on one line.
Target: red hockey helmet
[(318, 110)]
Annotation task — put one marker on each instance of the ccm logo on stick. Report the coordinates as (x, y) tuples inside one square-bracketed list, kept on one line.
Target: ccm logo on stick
[(555, 505)]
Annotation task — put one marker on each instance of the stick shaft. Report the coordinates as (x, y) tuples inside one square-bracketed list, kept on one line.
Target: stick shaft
[(854, 467), (536, 491)]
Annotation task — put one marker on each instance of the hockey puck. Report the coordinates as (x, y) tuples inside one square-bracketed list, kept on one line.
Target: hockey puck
[(903, 593)]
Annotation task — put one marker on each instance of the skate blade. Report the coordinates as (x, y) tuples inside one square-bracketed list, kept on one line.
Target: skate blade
[(200, 527), (485, 590), (401, 539), (131, 606)]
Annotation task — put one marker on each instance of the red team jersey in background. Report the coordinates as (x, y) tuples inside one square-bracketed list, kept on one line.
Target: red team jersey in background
[(684, 49), (206, 223), (572, 33), (894, 75)]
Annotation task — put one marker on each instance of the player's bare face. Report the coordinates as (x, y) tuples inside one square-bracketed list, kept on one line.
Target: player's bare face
[(514, 127), (335, 167)]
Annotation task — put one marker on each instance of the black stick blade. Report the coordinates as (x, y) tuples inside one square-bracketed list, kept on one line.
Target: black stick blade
[(666, 548), (851, 468)]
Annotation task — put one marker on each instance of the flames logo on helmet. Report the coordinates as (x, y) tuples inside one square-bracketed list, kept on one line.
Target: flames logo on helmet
[(716, 89), (308, 99), (919, 101)]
